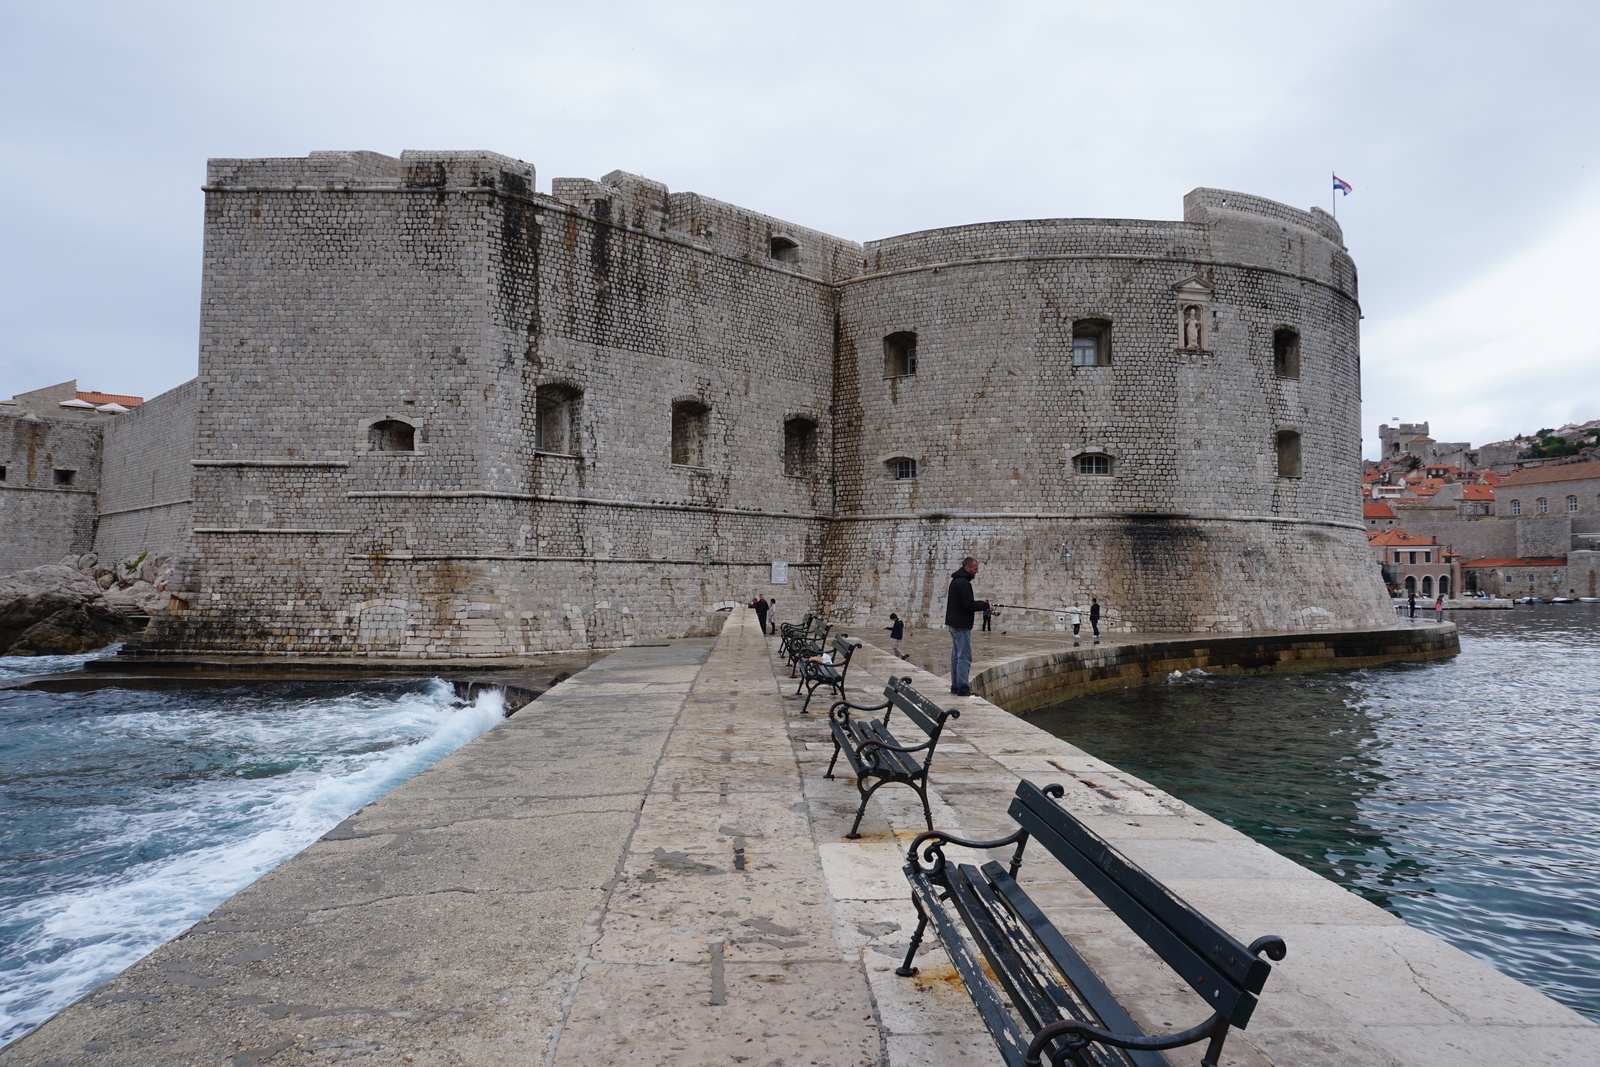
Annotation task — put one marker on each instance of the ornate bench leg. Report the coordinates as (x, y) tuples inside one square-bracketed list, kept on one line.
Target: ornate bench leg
[(834, 760), (905, 970), (922, 791), (866, 795)]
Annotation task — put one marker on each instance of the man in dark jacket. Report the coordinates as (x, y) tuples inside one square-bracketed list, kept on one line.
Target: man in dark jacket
[(959, 608)]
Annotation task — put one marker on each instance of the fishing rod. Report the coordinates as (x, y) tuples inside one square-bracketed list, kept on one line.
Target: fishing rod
[(1057, 611)]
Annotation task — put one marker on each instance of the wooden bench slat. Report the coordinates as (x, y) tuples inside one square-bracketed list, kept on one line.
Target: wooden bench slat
[(1102, 1004), (1011, 1041), (1040, 1003), (1219, 988), (1131, 892)]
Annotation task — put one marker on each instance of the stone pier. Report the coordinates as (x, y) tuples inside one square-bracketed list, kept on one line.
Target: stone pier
[(645, 866)]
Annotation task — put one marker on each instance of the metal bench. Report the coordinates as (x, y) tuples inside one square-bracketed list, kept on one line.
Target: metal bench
[(1058, 1010), (814, 674), (804, 641), (875, 756)]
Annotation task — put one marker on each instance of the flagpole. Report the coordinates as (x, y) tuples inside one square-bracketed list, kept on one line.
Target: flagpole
[(1333, 198)]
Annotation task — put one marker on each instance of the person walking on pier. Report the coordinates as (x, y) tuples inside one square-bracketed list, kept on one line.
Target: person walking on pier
[(1075, 613), (987, 623), (1411, 598), (760, 604), (1438, 609), (1094, 616), (959, 608), (897, 630)]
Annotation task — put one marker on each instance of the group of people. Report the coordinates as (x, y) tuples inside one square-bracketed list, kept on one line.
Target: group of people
[(1438, 606), (960, 608)]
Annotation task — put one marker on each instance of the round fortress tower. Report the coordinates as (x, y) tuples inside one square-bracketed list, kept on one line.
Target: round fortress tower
[(1161, 414)]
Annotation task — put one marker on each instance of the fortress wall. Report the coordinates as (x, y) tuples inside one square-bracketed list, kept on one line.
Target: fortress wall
[(1194, 529), (40, 520), (146, 491), (447, 300), (441, 291)]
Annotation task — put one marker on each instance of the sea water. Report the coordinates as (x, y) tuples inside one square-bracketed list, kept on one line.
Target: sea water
[(1460, 794), (128, 815)]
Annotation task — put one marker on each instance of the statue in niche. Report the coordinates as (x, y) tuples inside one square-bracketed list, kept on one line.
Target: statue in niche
[(1191, 326)]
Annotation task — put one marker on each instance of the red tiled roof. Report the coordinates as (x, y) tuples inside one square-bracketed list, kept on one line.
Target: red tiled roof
[(1477, 492), (1387, 538), (1377, 510), (1550, 561), (1566, 472), (111, 398)]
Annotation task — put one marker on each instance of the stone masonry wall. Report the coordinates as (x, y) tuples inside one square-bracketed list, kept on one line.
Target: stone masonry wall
[(439, 297), (146, 484), (444, 297), (1193, 528), (42, 519)]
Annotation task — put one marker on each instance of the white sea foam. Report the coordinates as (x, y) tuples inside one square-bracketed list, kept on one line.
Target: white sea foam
[(291, 769)]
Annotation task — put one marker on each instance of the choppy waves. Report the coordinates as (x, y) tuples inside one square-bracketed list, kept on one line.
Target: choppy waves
[(126, 816)]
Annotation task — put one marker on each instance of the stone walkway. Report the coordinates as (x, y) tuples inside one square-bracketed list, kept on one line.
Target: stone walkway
[(646, 866)]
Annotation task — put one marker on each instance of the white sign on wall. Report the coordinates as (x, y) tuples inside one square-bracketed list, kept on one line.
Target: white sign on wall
[(780, 572)]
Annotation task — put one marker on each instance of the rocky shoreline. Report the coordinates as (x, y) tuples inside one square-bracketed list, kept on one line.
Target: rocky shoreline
[(79, 604)]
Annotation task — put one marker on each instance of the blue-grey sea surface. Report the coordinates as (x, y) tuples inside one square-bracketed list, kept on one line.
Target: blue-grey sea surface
[(1463, 795), (128, 815)]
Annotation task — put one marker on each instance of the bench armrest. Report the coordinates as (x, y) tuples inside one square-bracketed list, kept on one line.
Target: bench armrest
[(926, 853), (893, 748), (1078, 1035), (844, 715)]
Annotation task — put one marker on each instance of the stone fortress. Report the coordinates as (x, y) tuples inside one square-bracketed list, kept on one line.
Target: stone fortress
[(442, 414)]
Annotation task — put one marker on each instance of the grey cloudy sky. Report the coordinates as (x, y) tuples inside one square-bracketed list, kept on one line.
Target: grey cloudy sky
[(1468, 130)]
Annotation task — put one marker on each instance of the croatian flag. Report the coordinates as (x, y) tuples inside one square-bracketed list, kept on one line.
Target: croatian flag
[(1340, 185)]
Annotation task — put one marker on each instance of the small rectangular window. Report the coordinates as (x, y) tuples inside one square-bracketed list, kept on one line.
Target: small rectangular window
[(905, 469), (1289, 454), (2, 474), (1427, 557), (899, 354), (65, 477), (1091, 343), (1094, 464), (1413, 558)]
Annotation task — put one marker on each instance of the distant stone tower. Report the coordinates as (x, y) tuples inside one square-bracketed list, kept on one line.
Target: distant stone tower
[(441, 414)]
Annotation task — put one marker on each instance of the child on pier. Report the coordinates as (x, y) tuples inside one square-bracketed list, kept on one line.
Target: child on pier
[(897, 630)]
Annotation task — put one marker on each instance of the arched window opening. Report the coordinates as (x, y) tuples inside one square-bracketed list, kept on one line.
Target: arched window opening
[(1543, 505), (1411, 584), (555, 418), (1288, 454), (902, 468), (1091, 343), (690, 419), (784, 249), (899, 354), (391, 435), (1516, 507), (1444, 585), (799, 447), (1286, 354), (1427, 585), (1096, 464)]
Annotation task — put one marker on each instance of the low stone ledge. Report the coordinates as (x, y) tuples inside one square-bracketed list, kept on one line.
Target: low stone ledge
[(1030, 681)]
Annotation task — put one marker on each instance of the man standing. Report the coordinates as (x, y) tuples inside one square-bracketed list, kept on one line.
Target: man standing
[(959, 608), (1094, 616), (760, 604)]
